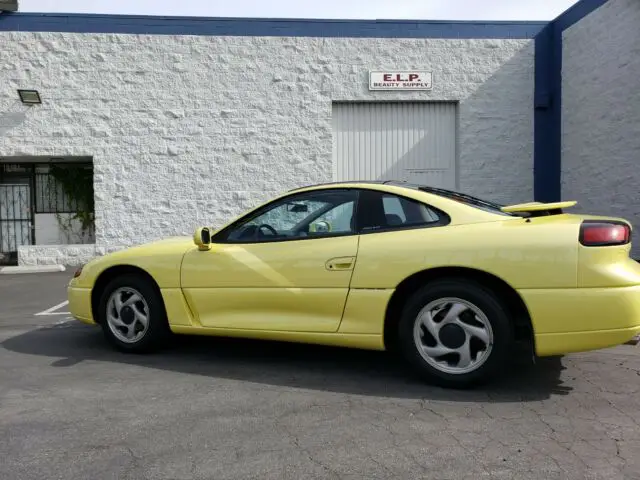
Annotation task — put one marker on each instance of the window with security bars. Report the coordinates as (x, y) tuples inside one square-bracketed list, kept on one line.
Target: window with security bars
[(50, 195), (47, 193)]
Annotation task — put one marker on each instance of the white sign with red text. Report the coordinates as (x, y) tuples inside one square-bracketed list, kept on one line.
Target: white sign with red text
[(413, 80)]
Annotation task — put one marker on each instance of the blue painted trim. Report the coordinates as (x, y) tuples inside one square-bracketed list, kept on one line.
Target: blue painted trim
[(155, 25), (544, 158), (577, 12), (547, 163)]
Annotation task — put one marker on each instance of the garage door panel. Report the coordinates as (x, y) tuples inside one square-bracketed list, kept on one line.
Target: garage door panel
[(437, 178), (404, 140)]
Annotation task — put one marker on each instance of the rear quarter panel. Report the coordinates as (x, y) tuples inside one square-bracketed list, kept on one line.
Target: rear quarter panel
[(606, 267), (540, 253)]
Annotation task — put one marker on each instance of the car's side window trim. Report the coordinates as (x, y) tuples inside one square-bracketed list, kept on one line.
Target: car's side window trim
[(222, 237), (443, 218)]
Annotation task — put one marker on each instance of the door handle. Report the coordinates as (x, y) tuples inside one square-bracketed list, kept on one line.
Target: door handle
[(340, 263)]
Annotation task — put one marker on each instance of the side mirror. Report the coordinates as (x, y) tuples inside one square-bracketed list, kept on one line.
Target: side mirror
[(202, 238)]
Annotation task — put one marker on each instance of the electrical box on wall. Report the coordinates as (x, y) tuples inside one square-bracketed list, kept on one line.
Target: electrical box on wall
[(9, 5)]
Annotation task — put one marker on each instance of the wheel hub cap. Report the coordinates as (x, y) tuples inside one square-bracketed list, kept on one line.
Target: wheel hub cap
[(127, 315), (453, 335)]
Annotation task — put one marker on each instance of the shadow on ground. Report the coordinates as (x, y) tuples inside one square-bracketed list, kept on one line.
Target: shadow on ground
[(289, 365)]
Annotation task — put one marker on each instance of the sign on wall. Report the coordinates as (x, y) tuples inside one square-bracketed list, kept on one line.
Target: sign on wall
[(410, 80)]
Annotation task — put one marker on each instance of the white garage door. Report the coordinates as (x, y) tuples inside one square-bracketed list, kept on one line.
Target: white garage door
[(415, 142)]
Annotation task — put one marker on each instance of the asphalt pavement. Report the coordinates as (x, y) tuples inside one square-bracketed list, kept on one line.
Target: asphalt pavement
[(72, 408)]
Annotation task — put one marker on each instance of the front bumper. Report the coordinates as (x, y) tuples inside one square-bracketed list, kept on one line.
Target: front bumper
[(582, 319), (80, 304)]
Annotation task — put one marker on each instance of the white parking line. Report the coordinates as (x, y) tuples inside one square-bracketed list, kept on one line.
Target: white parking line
[(65, 322), (52, 310)]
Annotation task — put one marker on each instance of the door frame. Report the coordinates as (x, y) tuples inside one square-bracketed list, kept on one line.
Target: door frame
[(6, 181), (12, 228)]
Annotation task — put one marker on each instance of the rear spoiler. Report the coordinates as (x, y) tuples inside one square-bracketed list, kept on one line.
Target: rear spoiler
[(537, 209)]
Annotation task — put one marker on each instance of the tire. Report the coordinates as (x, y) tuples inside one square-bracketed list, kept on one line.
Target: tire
[(116, 327), (489, 330)]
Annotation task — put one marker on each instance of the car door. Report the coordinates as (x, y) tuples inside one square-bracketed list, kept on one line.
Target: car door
[(398, 235), (286, 267)]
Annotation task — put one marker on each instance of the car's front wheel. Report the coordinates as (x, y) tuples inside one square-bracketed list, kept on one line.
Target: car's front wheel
[(132, 314), (456, 333)]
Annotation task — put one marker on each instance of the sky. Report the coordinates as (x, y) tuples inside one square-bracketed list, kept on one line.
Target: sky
[(347, 9)]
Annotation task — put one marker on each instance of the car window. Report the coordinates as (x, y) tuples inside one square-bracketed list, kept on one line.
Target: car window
[(467, 200), (337, 220), (384, 211), (314, 214)]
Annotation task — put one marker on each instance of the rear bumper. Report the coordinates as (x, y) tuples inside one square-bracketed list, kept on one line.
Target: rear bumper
[(582, 319), (561, 343), (80, 304)]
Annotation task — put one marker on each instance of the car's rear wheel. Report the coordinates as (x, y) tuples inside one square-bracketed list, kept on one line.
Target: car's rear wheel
[(132, 315), (456, 333)]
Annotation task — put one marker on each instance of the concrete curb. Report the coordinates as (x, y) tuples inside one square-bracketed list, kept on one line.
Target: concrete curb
[(31, 269)]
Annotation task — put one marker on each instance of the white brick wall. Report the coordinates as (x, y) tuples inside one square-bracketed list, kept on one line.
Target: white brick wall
[(601, 112), (70, 255), (189, 130)]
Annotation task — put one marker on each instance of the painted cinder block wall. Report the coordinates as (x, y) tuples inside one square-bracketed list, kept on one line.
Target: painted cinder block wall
[(192, 129), (174, 124), (601, 112)]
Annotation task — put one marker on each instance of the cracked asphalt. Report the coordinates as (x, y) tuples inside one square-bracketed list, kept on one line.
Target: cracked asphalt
[(71, 408)]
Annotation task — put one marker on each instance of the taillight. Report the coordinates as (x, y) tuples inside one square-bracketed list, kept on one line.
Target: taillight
[(597, 233), (77, 273)]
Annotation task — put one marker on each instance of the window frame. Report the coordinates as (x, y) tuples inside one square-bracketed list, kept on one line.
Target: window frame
[(222, 237), (443, 218), (466, 199)]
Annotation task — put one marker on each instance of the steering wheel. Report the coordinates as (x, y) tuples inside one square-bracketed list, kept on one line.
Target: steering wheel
[(268, 227)]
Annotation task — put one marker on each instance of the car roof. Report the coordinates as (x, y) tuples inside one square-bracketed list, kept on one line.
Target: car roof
[(352, 182), (391, 183), (449, 197)]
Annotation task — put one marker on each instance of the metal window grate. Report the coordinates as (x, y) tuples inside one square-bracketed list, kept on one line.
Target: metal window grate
[(50, 196), (15, 218)]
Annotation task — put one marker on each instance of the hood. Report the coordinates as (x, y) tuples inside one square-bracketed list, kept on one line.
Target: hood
[(164, 246), (178, 242)]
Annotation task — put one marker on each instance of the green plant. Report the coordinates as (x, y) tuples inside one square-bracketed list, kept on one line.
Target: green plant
[(76, 182)]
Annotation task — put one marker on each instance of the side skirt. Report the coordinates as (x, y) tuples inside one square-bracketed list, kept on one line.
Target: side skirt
[(360, 341)]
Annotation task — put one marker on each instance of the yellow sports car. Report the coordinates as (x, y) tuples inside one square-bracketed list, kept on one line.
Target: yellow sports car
[(451, 282)]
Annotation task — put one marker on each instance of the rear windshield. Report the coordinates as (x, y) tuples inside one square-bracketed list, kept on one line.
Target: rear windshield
[(467, 199)]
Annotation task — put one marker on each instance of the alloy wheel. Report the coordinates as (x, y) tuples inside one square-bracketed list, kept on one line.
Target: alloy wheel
[(453, 335), (127, 315)]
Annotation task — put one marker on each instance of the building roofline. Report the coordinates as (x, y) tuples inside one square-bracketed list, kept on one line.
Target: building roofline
[(286, 27)]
